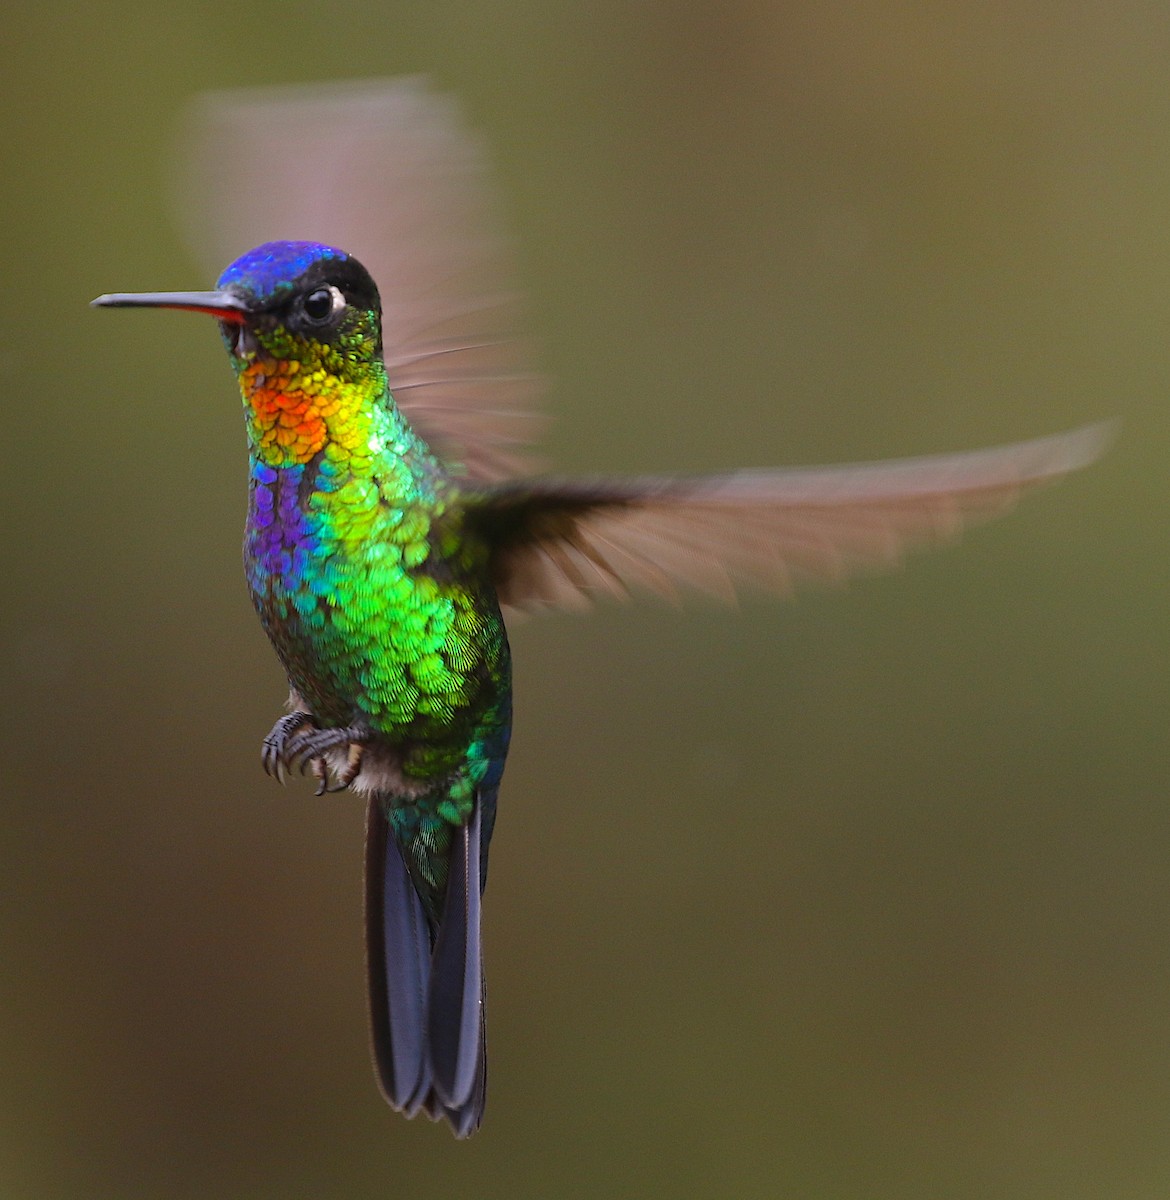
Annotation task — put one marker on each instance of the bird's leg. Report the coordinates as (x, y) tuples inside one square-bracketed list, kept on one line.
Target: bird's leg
[(307, 745), (297, 741), (345, 776), (274, 752)]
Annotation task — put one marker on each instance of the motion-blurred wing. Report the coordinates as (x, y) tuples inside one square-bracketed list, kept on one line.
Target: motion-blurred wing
[(560, 542), (385, 171)]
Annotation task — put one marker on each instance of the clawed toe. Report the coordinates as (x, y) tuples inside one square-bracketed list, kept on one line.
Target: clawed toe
[(274, 752), (320, 773), (352, 766)]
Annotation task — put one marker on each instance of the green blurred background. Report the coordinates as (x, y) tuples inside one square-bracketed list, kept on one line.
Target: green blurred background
[(864, 896)]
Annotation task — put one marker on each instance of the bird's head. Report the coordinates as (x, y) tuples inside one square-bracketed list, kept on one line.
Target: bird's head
[(298, 301), (302, 324)]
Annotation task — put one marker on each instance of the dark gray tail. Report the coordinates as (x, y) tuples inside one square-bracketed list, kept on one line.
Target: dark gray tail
[(426, 990)]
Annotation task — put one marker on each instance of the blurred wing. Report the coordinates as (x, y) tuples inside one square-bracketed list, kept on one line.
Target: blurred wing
[(385, 171), (561, 542)]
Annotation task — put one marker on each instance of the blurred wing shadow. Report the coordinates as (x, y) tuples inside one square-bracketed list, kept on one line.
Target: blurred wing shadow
[(386, 171)]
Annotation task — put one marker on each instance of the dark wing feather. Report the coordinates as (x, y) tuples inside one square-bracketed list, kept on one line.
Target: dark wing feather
[(386, 171), (563, 542)]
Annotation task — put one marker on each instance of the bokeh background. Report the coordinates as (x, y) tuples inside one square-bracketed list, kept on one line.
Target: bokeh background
[(862, 896)]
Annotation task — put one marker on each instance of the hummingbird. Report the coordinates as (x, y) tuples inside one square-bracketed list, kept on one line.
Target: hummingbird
[(387, 533)]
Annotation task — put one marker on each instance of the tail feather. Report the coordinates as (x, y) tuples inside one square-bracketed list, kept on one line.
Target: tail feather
[(455, 1007), (426, 1000), (397, 934)]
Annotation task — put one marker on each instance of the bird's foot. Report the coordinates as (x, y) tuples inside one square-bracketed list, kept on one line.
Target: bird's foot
[(306, 748), (296, 741)]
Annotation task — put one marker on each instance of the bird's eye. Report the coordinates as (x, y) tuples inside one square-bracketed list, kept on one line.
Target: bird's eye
[(322, 303)]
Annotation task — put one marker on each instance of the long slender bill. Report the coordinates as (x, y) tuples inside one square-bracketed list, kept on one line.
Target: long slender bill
[(224, 305)]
